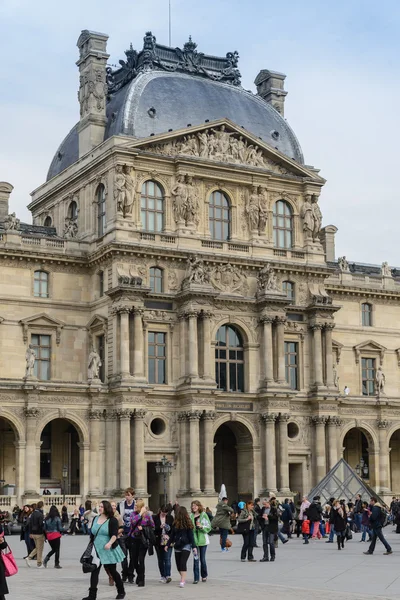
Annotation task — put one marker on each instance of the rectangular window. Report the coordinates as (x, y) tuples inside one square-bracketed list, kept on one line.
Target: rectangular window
[(102, 354), (366, 312), (101, 283), (157, 357), (42, 346), (41, 284), (368, 376), (292, 365)]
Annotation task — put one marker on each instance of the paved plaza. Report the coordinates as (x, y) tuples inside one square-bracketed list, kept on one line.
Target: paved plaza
[(299, 573)]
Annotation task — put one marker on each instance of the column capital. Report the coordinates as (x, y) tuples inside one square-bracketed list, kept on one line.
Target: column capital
[(206, 314), (266, 319), (329, 326), (124, 414), (138, 311), (316, 326), (269, 417), (382, 423), (31, 412), (209, 415), (338, 421), (280, 319), (190, 314), (139, 414), (319, 419), (194, 415), (332, 421), (284, 418), (95, 414), (120, 309)]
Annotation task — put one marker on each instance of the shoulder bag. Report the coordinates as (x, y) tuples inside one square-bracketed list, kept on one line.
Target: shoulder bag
[(243, 527), (86, 560), (10, 566)]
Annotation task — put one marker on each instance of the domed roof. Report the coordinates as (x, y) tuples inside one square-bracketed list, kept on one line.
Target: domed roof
[(150, 102)]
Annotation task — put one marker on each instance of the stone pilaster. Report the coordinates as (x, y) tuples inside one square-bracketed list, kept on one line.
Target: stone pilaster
[(332, 442), (280, 340), (194, 455), (124, 342), (20, 450), (124, 416), (208, 418), (270, 453), (183, 452), (95, 417), (268, 353), (111, 452), (138, 363), (31, 454), (320, 453), (383, 424), (208, 359), (193, 370), (283, 455), (328, 328), (138, 453), (317, 354)]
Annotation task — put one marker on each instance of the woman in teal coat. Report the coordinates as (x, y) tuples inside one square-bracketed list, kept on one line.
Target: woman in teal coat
[(201, 528), (104, 534)]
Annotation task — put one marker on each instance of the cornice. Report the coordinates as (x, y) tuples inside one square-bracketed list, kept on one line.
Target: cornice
[(362, 292)]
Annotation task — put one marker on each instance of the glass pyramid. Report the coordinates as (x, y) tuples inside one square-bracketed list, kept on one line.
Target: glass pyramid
[(342, 482)]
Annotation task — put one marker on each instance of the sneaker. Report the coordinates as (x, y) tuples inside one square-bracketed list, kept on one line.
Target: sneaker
[(195, 582), (388, 552), (181, 584), (168, 580), (243, 559), (57, 566), (45, 563), (204, 580), (224, 549), (368, 552), (329, 542), (163, 580), (28, 561), (285, 542), (40, 567)]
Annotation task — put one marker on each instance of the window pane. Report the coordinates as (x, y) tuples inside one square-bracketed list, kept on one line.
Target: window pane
[(152, 370), (161, 371), (222, 376), (150, 221), (159, 222)]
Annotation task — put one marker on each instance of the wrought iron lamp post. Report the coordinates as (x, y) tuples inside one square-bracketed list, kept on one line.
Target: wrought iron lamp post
[(64, 476), (165, 467)]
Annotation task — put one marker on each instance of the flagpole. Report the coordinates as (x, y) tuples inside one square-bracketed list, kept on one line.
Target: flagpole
[(169, 21)]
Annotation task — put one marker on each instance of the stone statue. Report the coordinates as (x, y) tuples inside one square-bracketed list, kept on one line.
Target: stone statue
[(308, 217), (193, 204), (124, 190), (317, 214), (11, 223), (252, 209), (335, 376), (343, 264), (386, 271), (94, 364), (257, 211), (92, 91), (263, 211), (267, 280), (70, 228), (197, 272), (30, 358), (180, 199), (380, 381)]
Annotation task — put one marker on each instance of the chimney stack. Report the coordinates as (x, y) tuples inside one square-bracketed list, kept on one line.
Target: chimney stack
[(92, 93), (270, 86), (5, 191)]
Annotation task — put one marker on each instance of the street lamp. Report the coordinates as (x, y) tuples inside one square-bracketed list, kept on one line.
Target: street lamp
[(64, 476), (165, 467)]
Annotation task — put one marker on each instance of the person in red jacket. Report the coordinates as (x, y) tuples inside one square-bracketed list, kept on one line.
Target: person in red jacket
[(305, 530)]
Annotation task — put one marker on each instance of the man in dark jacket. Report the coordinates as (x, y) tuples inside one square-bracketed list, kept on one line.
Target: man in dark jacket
[(36, 532), (376, 522), (357, 511), (269, 519), (314, 513)]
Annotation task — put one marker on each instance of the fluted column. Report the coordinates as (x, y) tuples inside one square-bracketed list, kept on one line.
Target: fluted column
[(124, 416), (124, 342), (183, 452), (138, 362), (328, 328), (383, 456), (31, 464), (84, 468), (332, 442), (138, 453), (320, 452), (208, 457), (182, 345), (20, 448), (193, 345), (208, 359), (283, 454), (280, 342), (268, 352), (95, 417), (111, 452), (270, 452), (317, 354), (194, 455)]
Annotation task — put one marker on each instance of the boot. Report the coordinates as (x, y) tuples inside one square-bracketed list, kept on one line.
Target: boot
[(338, 544), (92, 594), (46, 560), (342, 542)]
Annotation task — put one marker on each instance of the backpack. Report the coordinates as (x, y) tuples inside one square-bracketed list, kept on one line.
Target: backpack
[(383, 518)]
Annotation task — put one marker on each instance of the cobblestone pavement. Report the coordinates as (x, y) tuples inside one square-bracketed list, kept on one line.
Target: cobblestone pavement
[(299, 573)]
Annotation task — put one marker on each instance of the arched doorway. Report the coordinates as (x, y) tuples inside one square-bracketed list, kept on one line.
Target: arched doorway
[(358, 451), (8, 459), (234, 460), (59, 458), (394, 454)]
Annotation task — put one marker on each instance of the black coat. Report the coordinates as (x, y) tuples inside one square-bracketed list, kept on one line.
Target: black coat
[(169, 520), (338, 521), (3, 581), (314, 512), (36, 522)]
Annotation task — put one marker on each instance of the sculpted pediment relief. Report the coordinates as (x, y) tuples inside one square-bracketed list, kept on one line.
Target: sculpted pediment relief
[(41, 321), (224, 142)]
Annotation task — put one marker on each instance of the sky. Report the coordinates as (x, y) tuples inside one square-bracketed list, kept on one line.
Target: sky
[(342, 64)]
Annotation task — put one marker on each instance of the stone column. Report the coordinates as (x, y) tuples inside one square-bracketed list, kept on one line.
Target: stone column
[(328, 354), (208, 418), (193, 345), (208, 358), (270, 453), (124, 416), (84, 468), (317, 354), (139, 464), (111, 453), (268, 350), (183, 453), (20, 449), (194, 455), (124, 342), (320, 453), (383, 456), (31, 463), (138, 345), (95, 417), (280, 342), (283, 455), (182, 345), (332, 442)]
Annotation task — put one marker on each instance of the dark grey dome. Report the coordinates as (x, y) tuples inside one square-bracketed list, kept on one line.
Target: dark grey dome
[(155, 102)]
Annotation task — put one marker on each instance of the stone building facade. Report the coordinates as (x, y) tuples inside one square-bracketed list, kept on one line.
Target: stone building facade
[(177, 295)]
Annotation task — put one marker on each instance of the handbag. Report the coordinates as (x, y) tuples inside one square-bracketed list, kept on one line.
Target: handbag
[(243, 527), (10, 566), (53, 535), (86, 560), (348, 534)]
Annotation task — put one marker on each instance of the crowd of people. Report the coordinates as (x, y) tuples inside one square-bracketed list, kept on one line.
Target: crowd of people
[(125, 533)]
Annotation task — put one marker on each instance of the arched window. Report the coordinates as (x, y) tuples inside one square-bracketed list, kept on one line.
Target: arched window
[(366, 314), (229, 360), (152, 206), (156, 280), (288, 289), (219, 216), (101, 210), (283, 225), (41, 284), (73, 210), (48, 222)]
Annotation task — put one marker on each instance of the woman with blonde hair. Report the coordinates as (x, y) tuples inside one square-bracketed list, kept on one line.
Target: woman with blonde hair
[(202, 526), (182, 539), (246, 526), (141, 522)]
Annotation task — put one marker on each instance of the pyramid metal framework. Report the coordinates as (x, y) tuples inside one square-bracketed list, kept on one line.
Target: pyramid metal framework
[(342, 482)]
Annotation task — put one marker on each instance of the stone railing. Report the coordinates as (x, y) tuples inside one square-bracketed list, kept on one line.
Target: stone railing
[(8, 501), (58, 500)]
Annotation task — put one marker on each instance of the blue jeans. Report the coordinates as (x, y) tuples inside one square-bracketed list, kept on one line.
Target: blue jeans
[(224, 535), (365, 529), (357, 521), (164, 561), (331, 533), (85, 528), (377, 533), (202, 560), (281, 536)]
